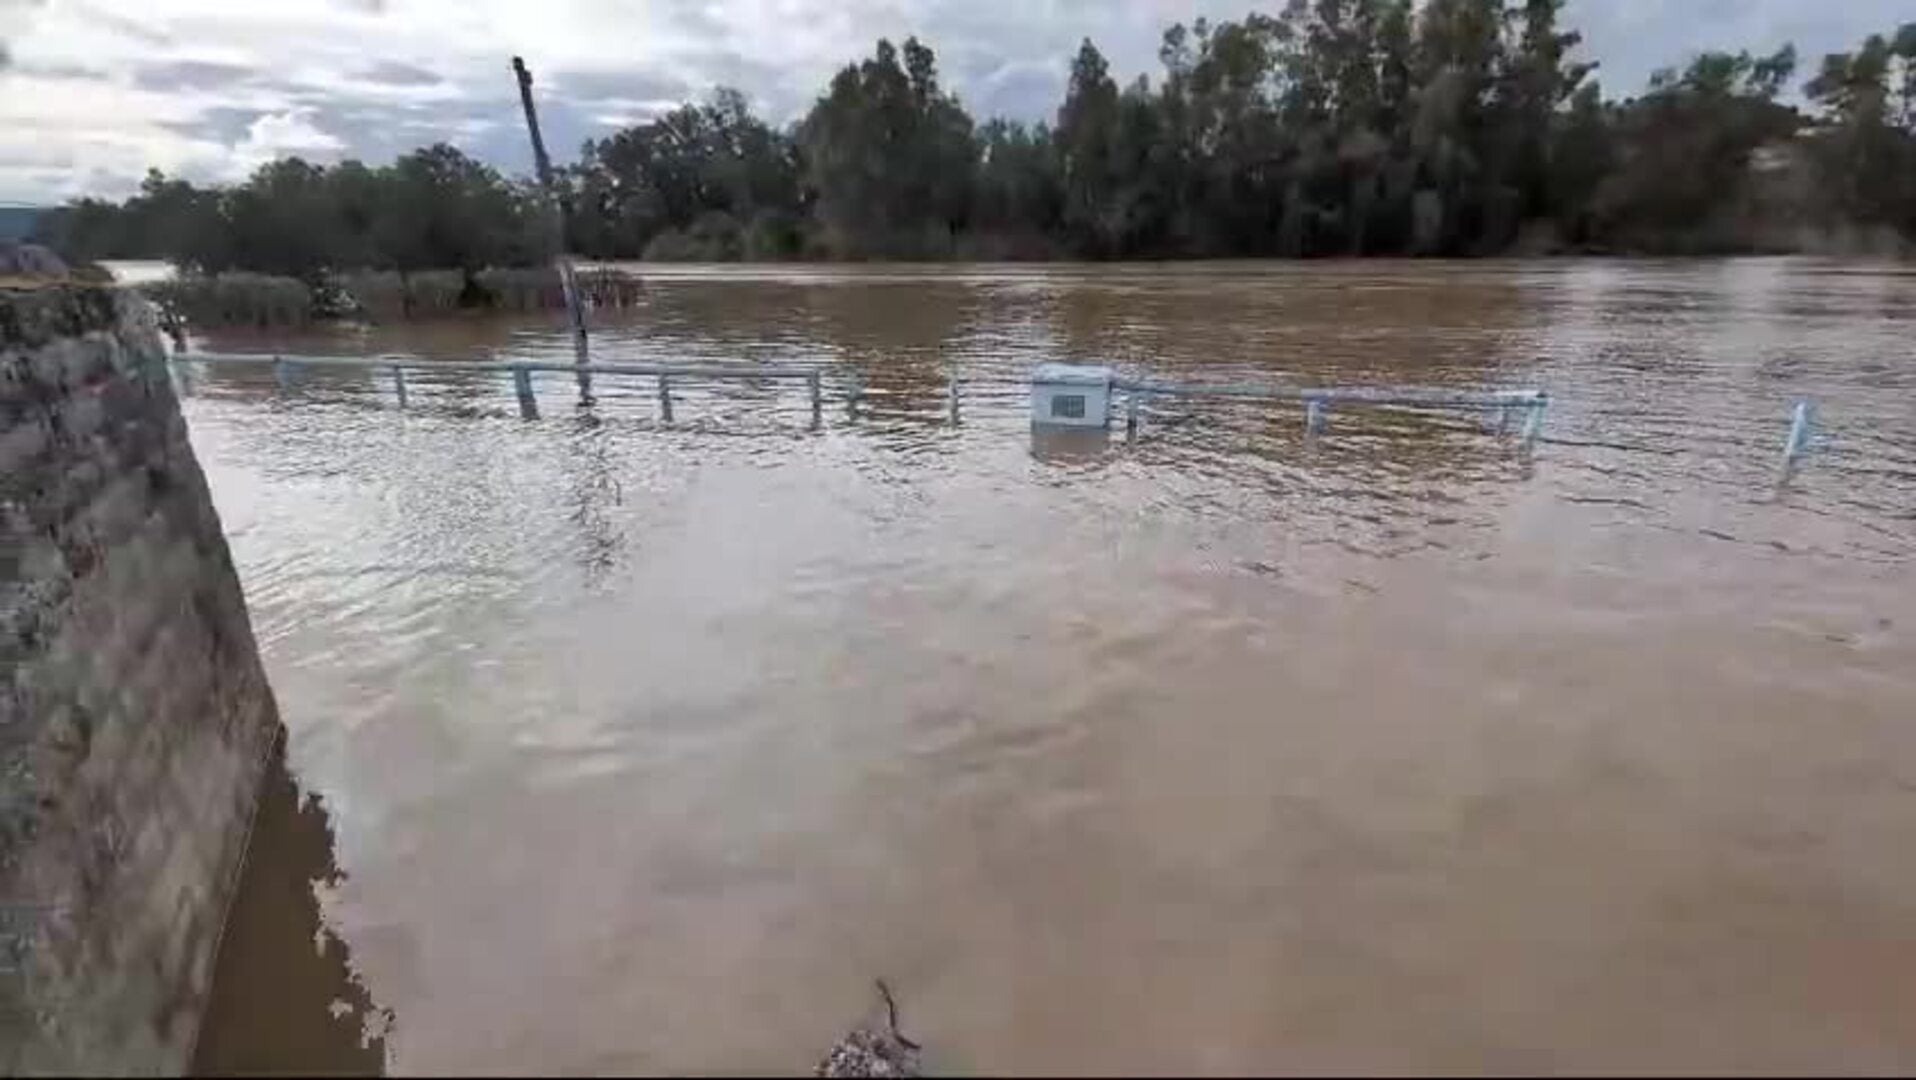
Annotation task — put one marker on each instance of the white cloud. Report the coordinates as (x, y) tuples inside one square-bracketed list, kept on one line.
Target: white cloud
[(99, 90), (286, 134)]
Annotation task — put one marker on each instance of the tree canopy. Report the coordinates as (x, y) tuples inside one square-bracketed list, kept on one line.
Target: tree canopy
[(1330, 127), (434, 208)]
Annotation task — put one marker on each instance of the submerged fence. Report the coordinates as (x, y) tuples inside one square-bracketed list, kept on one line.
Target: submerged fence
[(1317, 402), (1504, 405), (522, 371)]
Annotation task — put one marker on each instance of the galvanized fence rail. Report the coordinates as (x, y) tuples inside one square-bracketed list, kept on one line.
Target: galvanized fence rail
[(1317, 401), (522, 372)]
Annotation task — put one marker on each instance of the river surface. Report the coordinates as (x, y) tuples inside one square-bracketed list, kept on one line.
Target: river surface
[(646, 746)]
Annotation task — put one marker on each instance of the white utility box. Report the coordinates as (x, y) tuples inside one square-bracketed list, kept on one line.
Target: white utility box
[(1071, 395)]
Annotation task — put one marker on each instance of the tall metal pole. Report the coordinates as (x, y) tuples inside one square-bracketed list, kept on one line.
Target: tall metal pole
[(555, 215)]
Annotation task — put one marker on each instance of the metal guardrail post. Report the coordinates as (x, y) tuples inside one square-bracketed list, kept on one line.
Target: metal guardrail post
[(1802, 424), (1533, 423), (528, 405), (1503, 404)]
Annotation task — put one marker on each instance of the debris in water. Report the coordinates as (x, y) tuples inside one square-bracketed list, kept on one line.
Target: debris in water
[(867, 1052)]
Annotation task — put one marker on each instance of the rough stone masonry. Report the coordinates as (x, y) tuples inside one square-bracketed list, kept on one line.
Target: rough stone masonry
[(135, 718)]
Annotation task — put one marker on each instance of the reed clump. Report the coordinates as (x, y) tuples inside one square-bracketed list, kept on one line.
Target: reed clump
[(380, 296), (237, 298)]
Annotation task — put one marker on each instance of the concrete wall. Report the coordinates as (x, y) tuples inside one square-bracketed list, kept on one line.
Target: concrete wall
[(135, 719)]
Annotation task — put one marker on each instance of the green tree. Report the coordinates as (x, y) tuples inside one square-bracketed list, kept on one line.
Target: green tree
[(714, 165), (1582, 153), (284, 220), (889, 157), (1684, 151), (1017, 199), (1540, 80), (1866, 151), (172, 218), (1234, 145), (441, 209), (1087, 137), (1325, 127)]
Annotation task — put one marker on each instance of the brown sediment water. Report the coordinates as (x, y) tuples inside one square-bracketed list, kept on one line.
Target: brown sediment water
[(646, 746)]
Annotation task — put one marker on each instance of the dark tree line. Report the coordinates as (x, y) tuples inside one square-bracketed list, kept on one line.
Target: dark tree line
[(434, 208), (1334, 127)]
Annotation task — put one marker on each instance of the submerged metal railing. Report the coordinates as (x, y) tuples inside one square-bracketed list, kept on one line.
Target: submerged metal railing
[(523, 370), (1317, 401)]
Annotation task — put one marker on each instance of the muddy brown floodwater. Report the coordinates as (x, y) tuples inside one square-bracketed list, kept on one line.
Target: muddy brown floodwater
[(646, 746)]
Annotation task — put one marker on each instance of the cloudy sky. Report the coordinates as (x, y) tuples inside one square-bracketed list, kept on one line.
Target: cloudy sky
[(93, 92)]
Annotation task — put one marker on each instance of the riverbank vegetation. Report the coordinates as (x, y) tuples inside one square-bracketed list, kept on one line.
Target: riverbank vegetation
[(1331, 128), (244, 298)]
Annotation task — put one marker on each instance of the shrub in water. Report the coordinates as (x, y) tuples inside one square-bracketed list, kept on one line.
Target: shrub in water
[(235, 299)]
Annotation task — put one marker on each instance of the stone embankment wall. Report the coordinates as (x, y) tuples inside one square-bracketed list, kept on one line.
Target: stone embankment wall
[(135, 717)]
